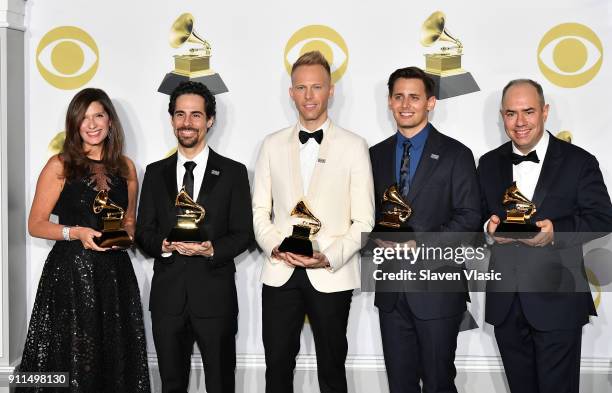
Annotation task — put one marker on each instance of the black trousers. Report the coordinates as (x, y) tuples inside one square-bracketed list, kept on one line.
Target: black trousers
[(417, 349), (174, 336), (284, 309), (538, 361)]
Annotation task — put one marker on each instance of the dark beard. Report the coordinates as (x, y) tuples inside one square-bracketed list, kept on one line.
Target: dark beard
[(188, 143)]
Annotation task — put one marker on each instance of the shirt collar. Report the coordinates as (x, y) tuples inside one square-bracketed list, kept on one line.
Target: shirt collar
[(540, 147), (200, 159), (323, 127), (417, 141)]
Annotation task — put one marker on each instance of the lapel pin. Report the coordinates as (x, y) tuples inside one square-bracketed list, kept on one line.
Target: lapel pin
[(321, 160), (435, 156), (215, 172)]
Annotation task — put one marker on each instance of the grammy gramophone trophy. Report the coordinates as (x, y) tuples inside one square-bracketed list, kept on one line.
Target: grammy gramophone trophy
[(396, 214), (517, 224), (193, 66), (186, 228), (113, 234), (444, 66), (299, 241)]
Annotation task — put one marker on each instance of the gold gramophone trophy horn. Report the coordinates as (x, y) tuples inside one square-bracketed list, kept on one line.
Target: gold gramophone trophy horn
[(519, 213), (398, 212), (194, 65), (433, 30), (186, 228), (394, 225), (299, 242), (113, 233), (182, 31), (311, 222), (444, 66)]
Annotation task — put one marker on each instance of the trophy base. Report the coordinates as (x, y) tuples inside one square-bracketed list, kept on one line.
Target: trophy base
[(453, 85), (213, 82), (397, 235), (517, 231), (297, 245), (117, 239), (186, 235)]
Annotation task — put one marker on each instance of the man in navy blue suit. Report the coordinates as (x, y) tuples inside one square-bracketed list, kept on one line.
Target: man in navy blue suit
[(539, 311), (436, 175)]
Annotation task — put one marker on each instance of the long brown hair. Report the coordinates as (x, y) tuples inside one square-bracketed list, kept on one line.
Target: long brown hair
[(76, 163)]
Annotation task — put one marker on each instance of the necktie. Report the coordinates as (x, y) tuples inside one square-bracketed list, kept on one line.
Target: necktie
[(532, 156), (188, 177), (305, 136), (404, 180)]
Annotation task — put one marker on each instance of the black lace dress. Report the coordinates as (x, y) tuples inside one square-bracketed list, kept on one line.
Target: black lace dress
[(87, 317)]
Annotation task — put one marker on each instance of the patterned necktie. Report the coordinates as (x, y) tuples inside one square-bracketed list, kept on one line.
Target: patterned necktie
[(188, 177), (404, 180)]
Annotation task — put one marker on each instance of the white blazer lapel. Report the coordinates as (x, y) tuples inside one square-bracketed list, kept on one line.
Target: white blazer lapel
[(319, 169), (295, 171)]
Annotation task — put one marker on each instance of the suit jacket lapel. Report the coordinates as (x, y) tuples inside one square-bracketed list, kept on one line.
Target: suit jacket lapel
[(169, 174), (429, 160), (292, 152), (211, 176), (319, 168), (505, 169), (548, 174), (387, 162), (170, 178)]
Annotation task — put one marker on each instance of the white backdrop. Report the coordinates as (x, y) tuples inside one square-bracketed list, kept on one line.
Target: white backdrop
[(248, 42)]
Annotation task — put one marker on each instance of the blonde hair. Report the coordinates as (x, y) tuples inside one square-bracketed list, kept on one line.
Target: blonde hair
[(311, 58)]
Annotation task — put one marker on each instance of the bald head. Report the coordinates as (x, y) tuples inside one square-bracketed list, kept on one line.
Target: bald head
[(529, 82)]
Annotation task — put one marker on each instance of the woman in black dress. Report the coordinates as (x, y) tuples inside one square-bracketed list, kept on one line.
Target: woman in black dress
[(87, 316)]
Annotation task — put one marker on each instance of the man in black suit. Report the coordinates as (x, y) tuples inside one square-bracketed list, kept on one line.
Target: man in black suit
[(436, 175), (540, 307), (193, 293)]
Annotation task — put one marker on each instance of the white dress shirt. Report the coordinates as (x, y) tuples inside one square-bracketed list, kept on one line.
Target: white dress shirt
[(527, 173), (198, 172), (309, 154)]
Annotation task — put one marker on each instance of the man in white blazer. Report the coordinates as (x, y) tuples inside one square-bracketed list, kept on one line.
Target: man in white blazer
[(329, 169)]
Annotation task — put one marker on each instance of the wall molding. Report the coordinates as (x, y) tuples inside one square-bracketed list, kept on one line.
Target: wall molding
[(12, 14), (467, 364)]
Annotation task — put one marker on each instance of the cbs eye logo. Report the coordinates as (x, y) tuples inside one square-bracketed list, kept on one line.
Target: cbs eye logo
[(67, 57), (324, 39), (570, 55)]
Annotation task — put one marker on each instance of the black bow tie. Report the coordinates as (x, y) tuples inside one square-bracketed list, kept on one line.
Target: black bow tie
[(305, 136), (532, 156)]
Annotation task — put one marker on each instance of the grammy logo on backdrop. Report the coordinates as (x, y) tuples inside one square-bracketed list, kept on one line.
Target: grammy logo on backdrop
[(444, 66), (195, 65)]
